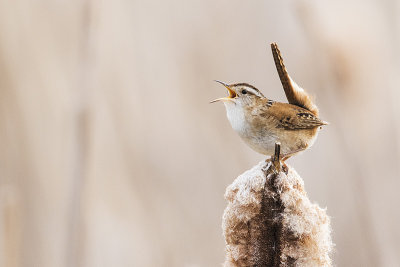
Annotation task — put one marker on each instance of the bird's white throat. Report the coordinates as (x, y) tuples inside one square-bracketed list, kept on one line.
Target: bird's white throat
[(235, 114)]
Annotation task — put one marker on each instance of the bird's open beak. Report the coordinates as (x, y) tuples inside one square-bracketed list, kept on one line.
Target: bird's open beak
[(232, 94)]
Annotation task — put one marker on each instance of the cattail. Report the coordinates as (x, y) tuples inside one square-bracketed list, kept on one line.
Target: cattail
[(269, 221)]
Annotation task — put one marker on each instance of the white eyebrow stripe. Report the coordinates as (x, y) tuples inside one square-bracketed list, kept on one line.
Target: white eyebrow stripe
[(250, 88), (254, 92)]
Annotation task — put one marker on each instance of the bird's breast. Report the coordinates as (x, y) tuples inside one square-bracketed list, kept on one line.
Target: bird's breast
[(236, 117), (256, 133)]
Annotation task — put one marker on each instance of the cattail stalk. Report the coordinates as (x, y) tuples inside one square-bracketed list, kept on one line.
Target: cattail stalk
[(269, 220)]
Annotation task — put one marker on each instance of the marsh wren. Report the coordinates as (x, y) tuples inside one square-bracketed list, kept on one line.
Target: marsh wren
[(262, 122)]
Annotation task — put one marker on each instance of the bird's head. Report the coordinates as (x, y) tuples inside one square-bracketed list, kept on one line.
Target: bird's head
[(239, 93)]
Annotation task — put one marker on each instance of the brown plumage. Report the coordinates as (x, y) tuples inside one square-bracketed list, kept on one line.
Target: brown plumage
[(291, 117)]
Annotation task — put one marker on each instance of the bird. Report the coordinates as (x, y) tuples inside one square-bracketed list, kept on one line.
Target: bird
[(262, 122)]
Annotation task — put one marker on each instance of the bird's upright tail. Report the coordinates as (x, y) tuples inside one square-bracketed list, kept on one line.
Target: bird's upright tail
[(294, 93)]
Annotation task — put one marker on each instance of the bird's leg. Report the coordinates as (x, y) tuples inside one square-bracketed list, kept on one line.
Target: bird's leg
[(287, 156), (276, 158), (291, 153)]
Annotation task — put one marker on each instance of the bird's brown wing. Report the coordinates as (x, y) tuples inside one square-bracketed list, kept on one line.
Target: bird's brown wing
[(291, 117), (294, 93)]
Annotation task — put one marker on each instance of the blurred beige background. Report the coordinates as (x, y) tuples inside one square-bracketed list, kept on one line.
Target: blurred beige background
[(110, 154)]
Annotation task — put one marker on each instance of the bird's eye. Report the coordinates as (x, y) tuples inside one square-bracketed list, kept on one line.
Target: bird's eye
[(244, 91)]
